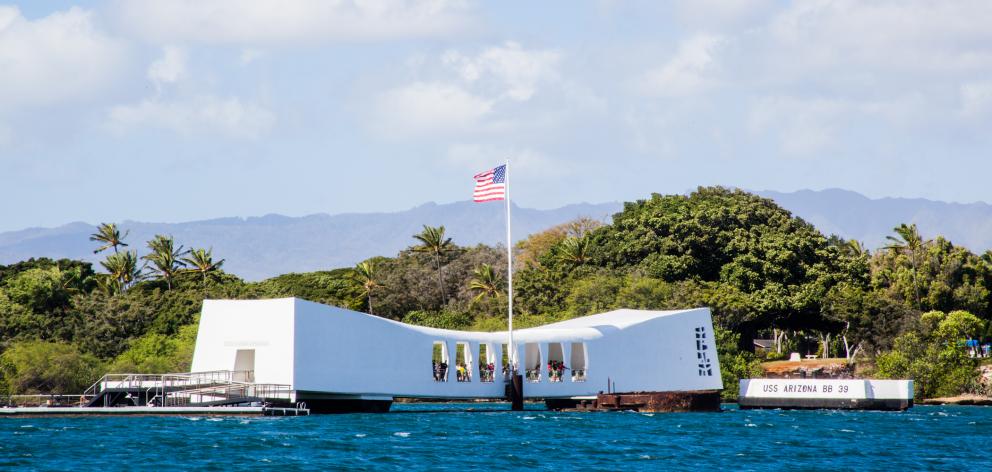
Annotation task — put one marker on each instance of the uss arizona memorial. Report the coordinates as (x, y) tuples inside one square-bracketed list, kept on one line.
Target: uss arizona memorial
[(341, 360)]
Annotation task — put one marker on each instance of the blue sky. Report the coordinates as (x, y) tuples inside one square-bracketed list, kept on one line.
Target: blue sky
[(182, 110)]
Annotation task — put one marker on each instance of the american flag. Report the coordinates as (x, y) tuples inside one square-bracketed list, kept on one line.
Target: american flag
[(490, 185)]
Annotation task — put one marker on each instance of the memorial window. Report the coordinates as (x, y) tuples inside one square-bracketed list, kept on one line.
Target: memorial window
[(463, 362), (556, 362), (487, 364), (439, 361), (578, 362), (532, 362)]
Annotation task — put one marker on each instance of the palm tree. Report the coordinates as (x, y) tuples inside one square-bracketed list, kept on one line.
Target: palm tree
[(110, 236), (202, 261), (433, 240), (908, 239), (365, 275), (123, 268), (574, 250), (165, 258), (107, 284), (486, 282), (854, 248)]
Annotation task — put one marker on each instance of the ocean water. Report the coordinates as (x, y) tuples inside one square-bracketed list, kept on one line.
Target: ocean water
[(450, 437)]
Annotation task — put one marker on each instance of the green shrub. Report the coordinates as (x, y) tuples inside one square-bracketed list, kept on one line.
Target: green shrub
[(48, 367)]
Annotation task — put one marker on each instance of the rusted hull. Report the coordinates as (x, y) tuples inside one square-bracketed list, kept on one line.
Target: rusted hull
[(645, 402)]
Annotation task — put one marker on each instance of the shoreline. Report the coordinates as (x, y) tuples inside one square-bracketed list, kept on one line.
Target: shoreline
[(967, 399)]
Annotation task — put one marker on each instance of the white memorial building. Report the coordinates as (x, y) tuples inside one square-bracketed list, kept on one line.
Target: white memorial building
[(341, 360)]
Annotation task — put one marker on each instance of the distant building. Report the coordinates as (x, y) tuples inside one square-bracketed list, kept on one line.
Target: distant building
[(340, 360), (762, 346)]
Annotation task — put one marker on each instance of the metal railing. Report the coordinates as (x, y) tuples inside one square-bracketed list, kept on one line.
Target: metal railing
[(230, 392), (182, 389), (54, 400)]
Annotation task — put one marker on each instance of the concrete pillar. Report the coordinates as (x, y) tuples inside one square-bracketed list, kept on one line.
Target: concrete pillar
[(497, 361), (472, 361), (542, 348), (566, 354), (518, 354), (450, 354)]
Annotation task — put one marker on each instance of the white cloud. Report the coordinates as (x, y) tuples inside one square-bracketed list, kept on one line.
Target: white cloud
[(470, 93), (690, 71), (6, 136), (802, 127), (250, 55), (228, 116), (805, 126), (57, 58), (721, 13), (170, 68), (976, 98), (919, 35), (518, 71), (423, 107), (525, 160), (291, 21)]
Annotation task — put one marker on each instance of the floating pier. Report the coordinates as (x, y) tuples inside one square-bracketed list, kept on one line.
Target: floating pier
[(845, 394)]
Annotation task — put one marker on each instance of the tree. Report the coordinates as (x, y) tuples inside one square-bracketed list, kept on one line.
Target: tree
[(770, 268), (365, 275), (123, 271), (432, 240), (934, 356), (593, 295), (156, 353), (47, 367), (109, 236), (529, 250), (165, 258), (908, 240), (336, 287), (485, 282), (574, 250), (202, 261)]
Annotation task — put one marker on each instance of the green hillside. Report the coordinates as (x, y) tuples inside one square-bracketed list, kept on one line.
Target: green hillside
[(905, 309)]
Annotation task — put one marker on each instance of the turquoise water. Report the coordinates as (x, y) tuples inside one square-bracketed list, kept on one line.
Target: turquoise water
[(435, 437)]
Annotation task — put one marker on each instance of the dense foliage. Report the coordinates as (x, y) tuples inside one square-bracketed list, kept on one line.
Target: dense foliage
[(932, 354), (764, 273)]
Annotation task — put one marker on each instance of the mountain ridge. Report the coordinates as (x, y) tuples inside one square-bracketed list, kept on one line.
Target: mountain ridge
[(854, 216), (258, 247)]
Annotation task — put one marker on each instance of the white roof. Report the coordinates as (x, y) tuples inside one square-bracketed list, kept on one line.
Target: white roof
[(618, 319)]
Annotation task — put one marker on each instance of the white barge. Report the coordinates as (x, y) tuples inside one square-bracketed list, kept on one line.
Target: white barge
[(847, 394)]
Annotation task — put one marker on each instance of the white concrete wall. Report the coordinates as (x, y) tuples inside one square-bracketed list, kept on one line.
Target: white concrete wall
[(318, 348), (827, 388), (346, 352), (263, 325), (890, 389), (656, 355)]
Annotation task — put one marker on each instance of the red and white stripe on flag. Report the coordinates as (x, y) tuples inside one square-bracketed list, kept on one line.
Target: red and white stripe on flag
[(490, 185)]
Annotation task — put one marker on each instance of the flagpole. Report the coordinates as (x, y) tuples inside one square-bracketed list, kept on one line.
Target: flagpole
[(509, 273)]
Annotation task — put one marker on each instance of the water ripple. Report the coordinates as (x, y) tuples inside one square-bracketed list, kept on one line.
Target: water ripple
[(424, 437)]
